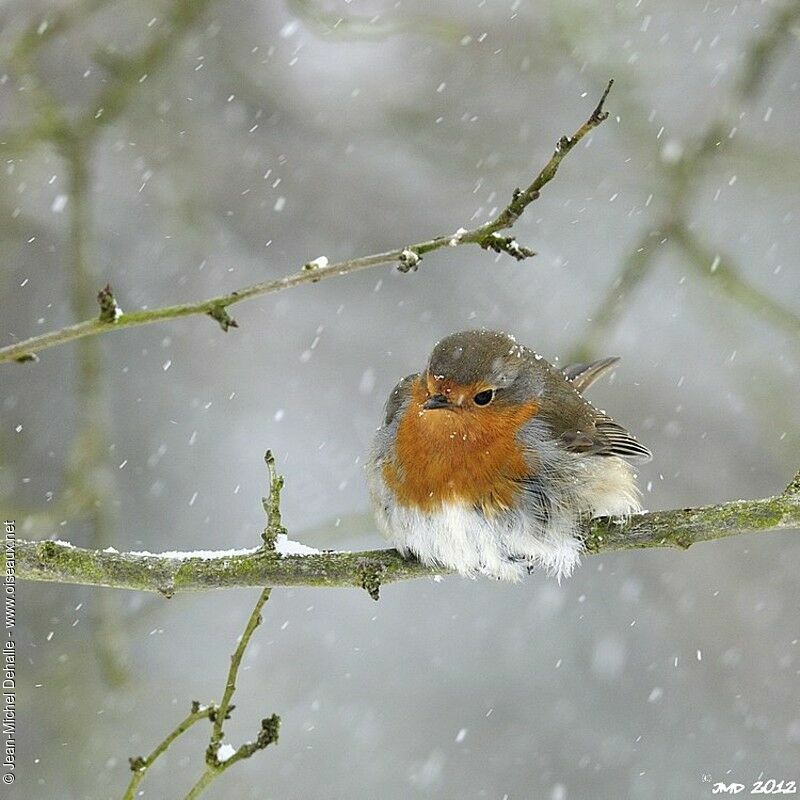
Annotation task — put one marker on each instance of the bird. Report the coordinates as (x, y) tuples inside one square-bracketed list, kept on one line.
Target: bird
[(488, 461)]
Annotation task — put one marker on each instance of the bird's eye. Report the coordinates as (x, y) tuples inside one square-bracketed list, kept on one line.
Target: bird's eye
[(483, 398)]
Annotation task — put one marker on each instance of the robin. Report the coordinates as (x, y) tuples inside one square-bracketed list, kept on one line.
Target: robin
[(487, 461)]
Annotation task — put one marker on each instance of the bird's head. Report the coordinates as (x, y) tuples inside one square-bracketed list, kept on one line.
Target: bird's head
[(474, 370)]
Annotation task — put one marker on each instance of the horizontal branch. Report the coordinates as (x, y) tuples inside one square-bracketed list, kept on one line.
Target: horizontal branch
[(170, 573), (407, 257)]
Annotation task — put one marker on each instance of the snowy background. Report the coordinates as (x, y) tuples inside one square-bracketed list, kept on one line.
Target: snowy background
[(268, 136)]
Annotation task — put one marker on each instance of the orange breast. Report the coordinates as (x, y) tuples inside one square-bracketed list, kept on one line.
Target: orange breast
[(468, 455)]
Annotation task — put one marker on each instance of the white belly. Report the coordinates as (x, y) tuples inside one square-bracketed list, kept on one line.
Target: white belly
[(462, 539), (505, 546)]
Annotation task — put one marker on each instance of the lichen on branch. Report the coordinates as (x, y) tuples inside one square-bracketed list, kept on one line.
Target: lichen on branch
[(59, 562)]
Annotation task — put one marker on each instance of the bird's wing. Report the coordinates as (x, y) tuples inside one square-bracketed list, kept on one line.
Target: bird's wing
[(579, 426), (605, 438), (582, 376), (397, 397)]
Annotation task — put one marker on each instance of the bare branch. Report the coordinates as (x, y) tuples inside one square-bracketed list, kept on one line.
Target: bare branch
[(272, 504), (507, 244), (218, 761), (140, 765), (215, 306)]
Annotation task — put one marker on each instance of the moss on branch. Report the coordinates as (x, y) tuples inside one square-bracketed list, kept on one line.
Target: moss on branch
[(61, 563)]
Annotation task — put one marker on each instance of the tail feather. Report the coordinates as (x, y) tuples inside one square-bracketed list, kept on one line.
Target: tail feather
[(582, 376)]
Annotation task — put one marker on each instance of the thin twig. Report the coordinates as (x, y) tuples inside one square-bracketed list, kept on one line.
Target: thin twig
[(140, 765), (272, 504), (268, 733), (216, 762), (270, 726), (223, 712), (215, 306)]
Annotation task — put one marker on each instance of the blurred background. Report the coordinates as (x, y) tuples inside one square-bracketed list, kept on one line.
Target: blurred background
[(183, 149)]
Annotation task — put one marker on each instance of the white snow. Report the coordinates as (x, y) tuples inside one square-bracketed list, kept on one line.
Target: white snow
[(410, 259), (206, 554), (367, 382), (289, 29), (225, 751), (59, 203), (284, 546), (455, 239)]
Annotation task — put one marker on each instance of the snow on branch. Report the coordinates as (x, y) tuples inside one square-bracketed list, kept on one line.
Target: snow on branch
[(406, 257), (220, 755), (280, 562)]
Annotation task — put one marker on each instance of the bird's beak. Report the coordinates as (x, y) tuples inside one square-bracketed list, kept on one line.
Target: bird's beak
[(437, 401)]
